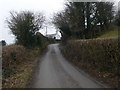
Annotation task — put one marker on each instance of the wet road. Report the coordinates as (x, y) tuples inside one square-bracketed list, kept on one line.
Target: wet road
[(56, 72)]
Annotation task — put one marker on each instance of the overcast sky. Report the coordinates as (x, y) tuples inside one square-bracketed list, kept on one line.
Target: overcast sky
[(47, 7)]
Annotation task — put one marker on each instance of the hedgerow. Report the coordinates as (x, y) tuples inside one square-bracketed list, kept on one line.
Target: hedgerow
[(100, 55)]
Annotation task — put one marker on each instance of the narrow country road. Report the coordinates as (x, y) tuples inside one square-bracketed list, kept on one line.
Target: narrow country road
[(56, 72)]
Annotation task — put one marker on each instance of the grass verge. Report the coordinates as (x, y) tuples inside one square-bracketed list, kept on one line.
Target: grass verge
[(21, 68)]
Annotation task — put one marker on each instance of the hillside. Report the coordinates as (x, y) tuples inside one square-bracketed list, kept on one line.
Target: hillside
[(110, 34)]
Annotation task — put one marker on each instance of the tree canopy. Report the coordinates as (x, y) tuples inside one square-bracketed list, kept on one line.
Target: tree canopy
[(84, 19), (3, 43), (24, 25), (117, 18)]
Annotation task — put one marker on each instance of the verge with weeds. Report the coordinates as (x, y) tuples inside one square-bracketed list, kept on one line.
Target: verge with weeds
[(18, 64)]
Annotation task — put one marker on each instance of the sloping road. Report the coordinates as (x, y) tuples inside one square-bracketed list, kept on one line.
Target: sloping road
[(56, 72)]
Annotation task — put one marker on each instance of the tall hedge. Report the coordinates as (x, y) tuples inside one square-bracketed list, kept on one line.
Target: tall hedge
[(101, 55)]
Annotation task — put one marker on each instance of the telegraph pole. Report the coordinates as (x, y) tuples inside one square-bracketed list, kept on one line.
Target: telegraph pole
[(46, 30)]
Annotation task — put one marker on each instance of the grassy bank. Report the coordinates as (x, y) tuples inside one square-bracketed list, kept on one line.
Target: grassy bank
[(98, 57), (18, 64), (110, 33)]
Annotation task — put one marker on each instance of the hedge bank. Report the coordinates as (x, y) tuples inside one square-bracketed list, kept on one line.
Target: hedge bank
[(99, 57)]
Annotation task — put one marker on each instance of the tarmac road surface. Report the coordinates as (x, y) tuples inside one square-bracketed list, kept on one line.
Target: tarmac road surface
[(56, 72)]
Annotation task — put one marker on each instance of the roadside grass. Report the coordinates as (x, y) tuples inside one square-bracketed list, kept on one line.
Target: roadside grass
[(19, 71), (21, 78), (110, 33)]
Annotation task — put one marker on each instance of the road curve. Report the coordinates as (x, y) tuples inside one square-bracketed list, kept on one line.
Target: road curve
[(56, 72)]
